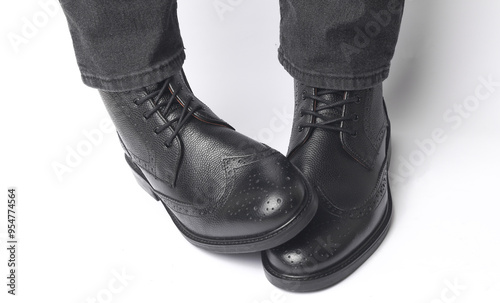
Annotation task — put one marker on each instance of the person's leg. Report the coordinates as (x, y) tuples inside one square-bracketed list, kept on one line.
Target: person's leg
[(224, 191), (122, 45), (339, 44), (339, 53)]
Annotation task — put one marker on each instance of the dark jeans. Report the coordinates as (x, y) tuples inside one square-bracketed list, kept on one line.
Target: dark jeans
[(340, 44)]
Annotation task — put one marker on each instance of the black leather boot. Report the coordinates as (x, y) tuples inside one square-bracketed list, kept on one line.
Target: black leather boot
[(225, 192), (340, 141)]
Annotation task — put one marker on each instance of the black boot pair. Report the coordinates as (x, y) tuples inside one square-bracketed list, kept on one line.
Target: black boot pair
[(316, 215)]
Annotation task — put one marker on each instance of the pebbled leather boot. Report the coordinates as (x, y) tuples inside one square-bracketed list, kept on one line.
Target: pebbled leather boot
[(225, 192), (340, 141)]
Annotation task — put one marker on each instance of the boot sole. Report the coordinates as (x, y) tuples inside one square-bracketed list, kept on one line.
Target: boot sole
[(249, 244)]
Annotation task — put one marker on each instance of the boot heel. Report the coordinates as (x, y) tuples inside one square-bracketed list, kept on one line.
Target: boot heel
[(139, 177)]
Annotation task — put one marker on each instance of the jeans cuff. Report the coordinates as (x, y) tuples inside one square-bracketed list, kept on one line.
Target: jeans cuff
[(139, 79), (339, 82)]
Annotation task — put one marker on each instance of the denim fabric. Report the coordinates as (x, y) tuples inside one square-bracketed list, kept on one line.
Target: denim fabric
[(125, 44), (342, 44), (339, 44)]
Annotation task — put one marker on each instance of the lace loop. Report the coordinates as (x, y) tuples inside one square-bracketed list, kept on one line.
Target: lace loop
[(329, 123), (163, 107)]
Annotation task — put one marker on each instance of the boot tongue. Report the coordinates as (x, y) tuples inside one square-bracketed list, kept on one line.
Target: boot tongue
[(175, 106), (329, 97), (177, 81)]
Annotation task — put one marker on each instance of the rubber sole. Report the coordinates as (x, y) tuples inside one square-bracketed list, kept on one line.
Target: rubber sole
[(249, 244)]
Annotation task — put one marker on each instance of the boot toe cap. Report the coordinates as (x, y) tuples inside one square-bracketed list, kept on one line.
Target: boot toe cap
[(266, 196)]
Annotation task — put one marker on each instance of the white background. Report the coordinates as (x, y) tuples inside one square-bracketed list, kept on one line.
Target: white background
[(76, 231)]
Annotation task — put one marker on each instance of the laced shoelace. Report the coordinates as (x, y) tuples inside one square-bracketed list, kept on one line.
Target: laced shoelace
[(328, 122), (163, 107)]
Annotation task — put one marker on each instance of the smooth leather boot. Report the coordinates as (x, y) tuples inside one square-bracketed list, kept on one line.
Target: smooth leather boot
[(225, 192), (340, 141)]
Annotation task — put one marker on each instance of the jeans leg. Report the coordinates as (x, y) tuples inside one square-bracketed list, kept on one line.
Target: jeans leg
[(125, 44), (339, 44)]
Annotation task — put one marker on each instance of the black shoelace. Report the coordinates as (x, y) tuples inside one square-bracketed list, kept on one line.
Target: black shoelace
[(163, 107), (328, 122)]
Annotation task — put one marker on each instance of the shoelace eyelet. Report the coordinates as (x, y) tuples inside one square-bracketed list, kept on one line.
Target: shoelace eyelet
[(356, 117), (358, 100), (163, 100), (300, 128), (354, 135)]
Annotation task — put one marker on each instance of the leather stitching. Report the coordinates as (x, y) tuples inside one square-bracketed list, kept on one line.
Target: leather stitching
[(230, 165), (368, 205)]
